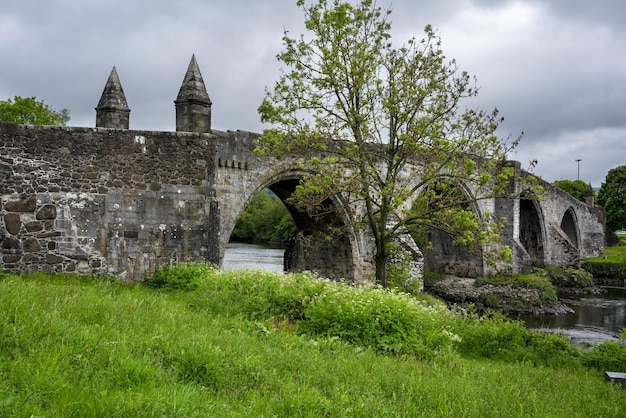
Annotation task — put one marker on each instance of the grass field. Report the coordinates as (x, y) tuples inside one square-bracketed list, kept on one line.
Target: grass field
[(194, 341)]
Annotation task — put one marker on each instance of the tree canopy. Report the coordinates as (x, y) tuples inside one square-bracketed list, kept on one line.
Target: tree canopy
[(386, 125), (612, 197), (265, 219), (30, 111), (576, 188)]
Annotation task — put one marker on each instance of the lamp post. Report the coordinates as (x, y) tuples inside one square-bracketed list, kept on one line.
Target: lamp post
[(578, 160)]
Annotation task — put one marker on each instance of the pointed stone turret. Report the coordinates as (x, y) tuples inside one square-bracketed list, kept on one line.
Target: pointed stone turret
[(193, 106), (112, 110)]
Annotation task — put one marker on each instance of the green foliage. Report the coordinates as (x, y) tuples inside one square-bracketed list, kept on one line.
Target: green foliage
[(399, 271), (491, 300), (610, 265), (265, 219), (431, 276), (608, 356), (365, 107), (71, 346), (385, 320), (613, 267), (569, 277), (529, 281), (576, 188), (612, 197), (179, 276), (30, 111), (496, 337)]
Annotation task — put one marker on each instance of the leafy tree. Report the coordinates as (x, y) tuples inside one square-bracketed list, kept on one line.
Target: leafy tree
[(30, 111), (265, 219), (612, 196), (375, 116), (576, 188)]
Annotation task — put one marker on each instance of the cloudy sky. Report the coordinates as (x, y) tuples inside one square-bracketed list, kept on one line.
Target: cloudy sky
[(556, 69)]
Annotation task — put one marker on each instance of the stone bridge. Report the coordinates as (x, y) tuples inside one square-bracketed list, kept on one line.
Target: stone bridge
[(110, 200)]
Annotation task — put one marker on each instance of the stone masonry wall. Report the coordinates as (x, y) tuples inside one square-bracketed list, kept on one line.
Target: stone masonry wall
[(105, 201)]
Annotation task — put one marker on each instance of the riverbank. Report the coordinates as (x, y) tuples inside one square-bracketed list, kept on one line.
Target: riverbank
[(509, 299)]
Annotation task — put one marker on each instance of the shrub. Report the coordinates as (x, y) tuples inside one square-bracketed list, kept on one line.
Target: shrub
[(491, 300), (569, 277), (494, 336), (614, 268), (608, 356), (181, 276), (384, 319)]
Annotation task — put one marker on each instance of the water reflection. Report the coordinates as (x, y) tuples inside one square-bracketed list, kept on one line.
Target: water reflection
[(595, 318), (243, 255)]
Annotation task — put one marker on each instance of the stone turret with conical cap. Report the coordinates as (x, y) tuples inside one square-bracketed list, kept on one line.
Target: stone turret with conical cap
[(193, 106), (112, 110)]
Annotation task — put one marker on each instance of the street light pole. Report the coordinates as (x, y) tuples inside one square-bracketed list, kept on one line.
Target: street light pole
[(578, 160)]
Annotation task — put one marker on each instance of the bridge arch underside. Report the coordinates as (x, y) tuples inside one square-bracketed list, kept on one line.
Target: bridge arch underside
[(442, 254), (531, 232), (322, 243), (569, 226)]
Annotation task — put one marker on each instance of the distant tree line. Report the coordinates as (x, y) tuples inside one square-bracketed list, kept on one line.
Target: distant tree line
[(265, 219)]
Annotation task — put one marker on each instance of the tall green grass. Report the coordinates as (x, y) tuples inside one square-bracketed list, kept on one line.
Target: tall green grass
[(253, 343)]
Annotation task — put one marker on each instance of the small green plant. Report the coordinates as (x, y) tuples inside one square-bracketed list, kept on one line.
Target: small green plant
[(181, 276), (491, 300), (431, 277)]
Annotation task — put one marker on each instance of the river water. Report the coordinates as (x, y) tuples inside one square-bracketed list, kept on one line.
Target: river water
[(243, 255), (596, 318)]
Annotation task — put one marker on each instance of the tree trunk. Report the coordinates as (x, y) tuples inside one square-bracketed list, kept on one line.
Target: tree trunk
[(381, 268)]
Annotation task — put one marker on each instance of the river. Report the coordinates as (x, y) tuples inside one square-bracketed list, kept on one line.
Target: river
[(243, 255), (595, 318)]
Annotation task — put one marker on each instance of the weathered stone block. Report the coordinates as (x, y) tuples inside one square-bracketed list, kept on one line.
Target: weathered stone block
[(13, 223), (31, 245), (22, 205), (11, 244), (54, 259), (11, 258), (47, 212), (33, 226)]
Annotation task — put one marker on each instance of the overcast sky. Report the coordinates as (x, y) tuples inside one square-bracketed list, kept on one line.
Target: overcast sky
[(556, 69)]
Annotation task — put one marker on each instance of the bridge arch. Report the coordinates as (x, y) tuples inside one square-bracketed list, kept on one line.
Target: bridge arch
[(442, 254), (310, 248), (532, 230), (569, 225)]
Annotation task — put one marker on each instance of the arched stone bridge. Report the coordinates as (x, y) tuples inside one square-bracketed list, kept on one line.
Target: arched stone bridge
[(110, 200)]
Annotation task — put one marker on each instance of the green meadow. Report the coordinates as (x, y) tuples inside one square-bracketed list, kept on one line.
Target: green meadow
[(196, 341)]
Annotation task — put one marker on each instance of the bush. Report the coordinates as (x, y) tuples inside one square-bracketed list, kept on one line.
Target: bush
[(610, 268), (608, 356), (569, 277), (494, 336), (182, 276), (384, 319)]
